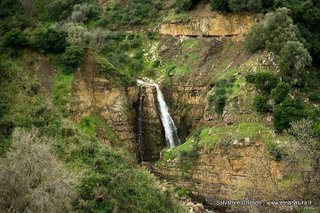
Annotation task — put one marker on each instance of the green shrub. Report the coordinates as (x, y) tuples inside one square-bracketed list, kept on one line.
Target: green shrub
[(220, 100), (156, 63), (293, 60), (273, 33), (133, 12), (84, 12), (9, 7), (219, 96), (49, 40), (315, 96), (137, 65), (183, 5), (288, 111), (280, 92), (16, 40), (274, 150), (261, 103), (256, 38), (280, 29), (60, 9), (221, 5), (264, 81), (250, 78), (245, 5), (73, 56)]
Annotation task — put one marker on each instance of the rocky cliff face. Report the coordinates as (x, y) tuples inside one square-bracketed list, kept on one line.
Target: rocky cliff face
[(94, 93), (215, 24), (227, 173), (153, 139)]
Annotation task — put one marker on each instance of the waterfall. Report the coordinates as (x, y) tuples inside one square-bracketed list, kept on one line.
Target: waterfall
[(170, 128)]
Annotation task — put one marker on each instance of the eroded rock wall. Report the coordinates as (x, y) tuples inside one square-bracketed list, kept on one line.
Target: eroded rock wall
[(95, 93), (215, 24), (227, 173), (153, 139)]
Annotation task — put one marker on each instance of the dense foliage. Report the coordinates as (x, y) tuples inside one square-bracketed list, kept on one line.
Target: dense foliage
[(286, 108), (218, 97), (279, 35)]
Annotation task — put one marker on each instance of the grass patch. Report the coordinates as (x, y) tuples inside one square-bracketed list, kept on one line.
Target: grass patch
[(225, 135), (190, 43), (182, 70), (171, 154), (176, 17), (92, 124), (62, 85)]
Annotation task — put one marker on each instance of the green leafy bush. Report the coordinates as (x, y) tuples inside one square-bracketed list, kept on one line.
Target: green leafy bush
[(280, 92), (275, 31), (183, 5), (245, 5), (73, 56), (255, 39), (221, 5), (84, 12), (15, 38), (60, 9), (133, 12), (263, 81), (261, 103), (288, 111), (315, 96), (219, 96), (275, 151), (9, 7), (293, 60), (50, 39)]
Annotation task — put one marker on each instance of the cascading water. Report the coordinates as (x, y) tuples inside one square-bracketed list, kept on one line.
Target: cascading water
[(170, 128)]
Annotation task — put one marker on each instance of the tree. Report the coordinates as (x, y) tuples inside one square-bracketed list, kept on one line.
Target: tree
[(60, 9), (184, 5), (280, 29), (15, 39), (256, 38), (261, 103), (280, 93), (221, 5), (245, 5), (50, 39), (293, 60), (73, 56), (265, 81), (288, 111)]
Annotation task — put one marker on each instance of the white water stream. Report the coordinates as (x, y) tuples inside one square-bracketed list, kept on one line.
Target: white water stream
[(170, 128)]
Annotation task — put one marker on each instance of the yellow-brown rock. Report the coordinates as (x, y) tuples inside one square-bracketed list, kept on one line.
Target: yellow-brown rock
[(94, 93), (216, 24)]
